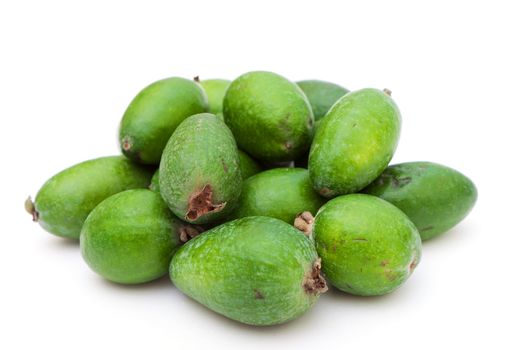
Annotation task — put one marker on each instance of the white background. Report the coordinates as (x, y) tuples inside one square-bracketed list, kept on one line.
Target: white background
[(456, 69)]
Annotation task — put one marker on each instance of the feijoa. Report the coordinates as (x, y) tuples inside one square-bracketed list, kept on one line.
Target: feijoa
[(321, 95), (215, 90), (199, 172), (269, 116), (433, 196), (354, 142), (368, 246), (155, 113), (66, 199), (247, 165), (131, 237), (256, 270)]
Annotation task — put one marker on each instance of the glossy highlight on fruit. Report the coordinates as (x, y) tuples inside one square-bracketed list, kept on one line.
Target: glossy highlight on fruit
[(255, 270)]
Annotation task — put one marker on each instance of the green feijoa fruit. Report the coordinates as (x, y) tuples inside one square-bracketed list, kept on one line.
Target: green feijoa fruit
[(199, 172), (215, 90), (66, 199), (131, 237), (255, 270), (281, 193), (154, 184), (433, 196), (354, 142), (368, 246), (269, 115), (155, 113), (247, 165), (321, 95)]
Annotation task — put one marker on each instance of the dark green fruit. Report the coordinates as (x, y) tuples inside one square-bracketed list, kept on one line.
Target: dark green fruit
[(247, 165), (354, 142), (256, 270), (66, 199), (368, 246), (433, 196), (215, 90), (154, 185), (321, 95), (155, 113), (131, 237), (199, 173), (281, 193), (269, 116)]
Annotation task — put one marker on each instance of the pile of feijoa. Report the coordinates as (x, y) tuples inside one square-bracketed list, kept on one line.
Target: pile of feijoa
[(250, 193)]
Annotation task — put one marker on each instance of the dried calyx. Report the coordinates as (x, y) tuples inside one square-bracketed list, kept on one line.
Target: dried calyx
[(30, 208), (200, 203), (304, 222), (188, 232), (314, 283)]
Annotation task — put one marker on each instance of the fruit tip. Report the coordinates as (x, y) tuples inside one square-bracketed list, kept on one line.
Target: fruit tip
[(30, 208)]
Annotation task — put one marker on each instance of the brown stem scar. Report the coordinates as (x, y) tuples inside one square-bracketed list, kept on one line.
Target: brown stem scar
[(314, 283), (304, 222), (258, 294), (413, 265), (200, 203), (196, 79), (30, 208), (126, 143), (387, 92), (188, 232)]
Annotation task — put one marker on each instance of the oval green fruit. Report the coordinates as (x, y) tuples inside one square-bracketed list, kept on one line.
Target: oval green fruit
[(131, 237), (199, 172), (247, 165), (281, 193), (269, 116), (367, 245), (354, 143), (433, 196), (256, 270), (321, 95), (66, 199), (215, 90), (155, 113)]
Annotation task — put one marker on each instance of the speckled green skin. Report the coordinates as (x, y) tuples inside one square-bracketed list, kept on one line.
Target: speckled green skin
[(202, 151), (354, 143), (251, 270), (155, 113), (281, 193), (269, 116), (154, 184), (130, 237), (66, 199), (367, 245), (215, 90), (433, 196), (248, 166), (321, 95)]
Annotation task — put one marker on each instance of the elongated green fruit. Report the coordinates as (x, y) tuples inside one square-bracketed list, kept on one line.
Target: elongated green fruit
[(66, 199), (368, 246), (433, 196), (321, 95), (199, 173), (247, 165), (215, 90), (131, 237), (256, 270), (354, 142), (269, 116), (155, 113), (281, 193)]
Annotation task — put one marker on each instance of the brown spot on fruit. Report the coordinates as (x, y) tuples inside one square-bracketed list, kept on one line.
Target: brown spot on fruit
[(387, 92), (401, 181), (359, 239), (127, 144), (385, 262), (325, 191), (313, 282), (200, 203), (288, 145), (304, 222), (196, 79), (224, 166), (258, 294), (413, 265)]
